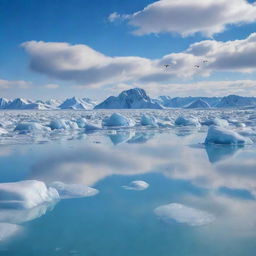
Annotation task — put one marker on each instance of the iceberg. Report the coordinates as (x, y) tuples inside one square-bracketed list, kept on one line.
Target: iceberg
[(73, 190), (183, 214), (137, 185), (81, 122), (116, 120), (221, 135), (91, 127), (216, 121), (30, 126), (62, 124), (148, 120), (26, 194), (187, 121)]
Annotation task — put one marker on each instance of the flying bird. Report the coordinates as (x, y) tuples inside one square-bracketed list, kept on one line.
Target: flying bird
[(167, 65), (205, 61), (197, 66)]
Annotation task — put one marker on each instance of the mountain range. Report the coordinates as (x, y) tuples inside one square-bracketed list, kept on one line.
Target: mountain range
[(135, 98)]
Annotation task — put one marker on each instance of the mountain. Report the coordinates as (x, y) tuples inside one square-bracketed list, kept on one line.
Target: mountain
[(200, 104), (183, 102), (233, 101), (76, 104), (130, 99), (18, 103), (3, 103)]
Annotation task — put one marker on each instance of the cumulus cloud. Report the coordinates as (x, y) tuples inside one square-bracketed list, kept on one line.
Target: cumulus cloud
[(86, 66), (5, 84), (187, 17)]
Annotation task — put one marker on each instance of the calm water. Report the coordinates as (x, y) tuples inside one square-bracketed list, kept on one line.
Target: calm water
[(115, 222)]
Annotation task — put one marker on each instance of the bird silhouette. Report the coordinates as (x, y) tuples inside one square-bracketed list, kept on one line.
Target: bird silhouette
[(197, 66), (167, 65)]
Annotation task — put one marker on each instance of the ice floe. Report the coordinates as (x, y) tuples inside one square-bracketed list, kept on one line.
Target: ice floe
[(26, 194), (183, 214), (187, 121), (221, 135), (148, 120), (73, 190), (30, 127), (137, 185), (118, 120)]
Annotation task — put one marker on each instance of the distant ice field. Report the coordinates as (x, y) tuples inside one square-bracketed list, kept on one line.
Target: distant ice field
[(30, 126)]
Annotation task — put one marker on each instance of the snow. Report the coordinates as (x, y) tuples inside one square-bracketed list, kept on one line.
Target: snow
[(117, 119), (221, 135), (75, 103), (26, 194), (200, 104), (8, 230), (73, 190), (131, 99), (137, 185), (187, 121), (183, 214), (148, 120), (81, 122), (3, 131)]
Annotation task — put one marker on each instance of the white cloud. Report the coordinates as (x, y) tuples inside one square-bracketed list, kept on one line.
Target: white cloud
[(187, 17), (87, 67), (51, 86), (5, 84)]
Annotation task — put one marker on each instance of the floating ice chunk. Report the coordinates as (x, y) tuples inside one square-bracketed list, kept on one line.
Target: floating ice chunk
[(118, 120), (73, 190), (81, 122), (62, 124), (30, 127), (8, 230), (137, 185), (26, 194), (3, 131), (183, 214), (221, 135), (120, 137), (187, 121), (148, 120), (91, 127)]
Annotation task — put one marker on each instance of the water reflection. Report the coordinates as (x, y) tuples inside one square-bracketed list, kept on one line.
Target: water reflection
[(176, 172), (217, 153)]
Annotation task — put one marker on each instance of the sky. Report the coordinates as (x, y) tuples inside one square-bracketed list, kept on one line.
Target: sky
[(64, 48)]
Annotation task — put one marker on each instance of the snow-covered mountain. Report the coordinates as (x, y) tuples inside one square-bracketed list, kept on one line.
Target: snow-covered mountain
[(18, 103), (200, 104), (233, 101), (3, 103), (131, 99), (183, 102), (75, 103)]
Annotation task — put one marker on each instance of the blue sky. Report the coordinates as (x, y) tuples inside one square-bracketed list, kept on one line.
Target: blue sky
[(84, 22)]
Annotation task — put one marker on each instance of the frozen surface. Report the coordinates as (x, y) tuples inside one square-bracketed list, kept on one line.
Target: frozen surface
[(26, 194), (137, 185), (73, 190), (183, 214), (30, 126), (221, 135)]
